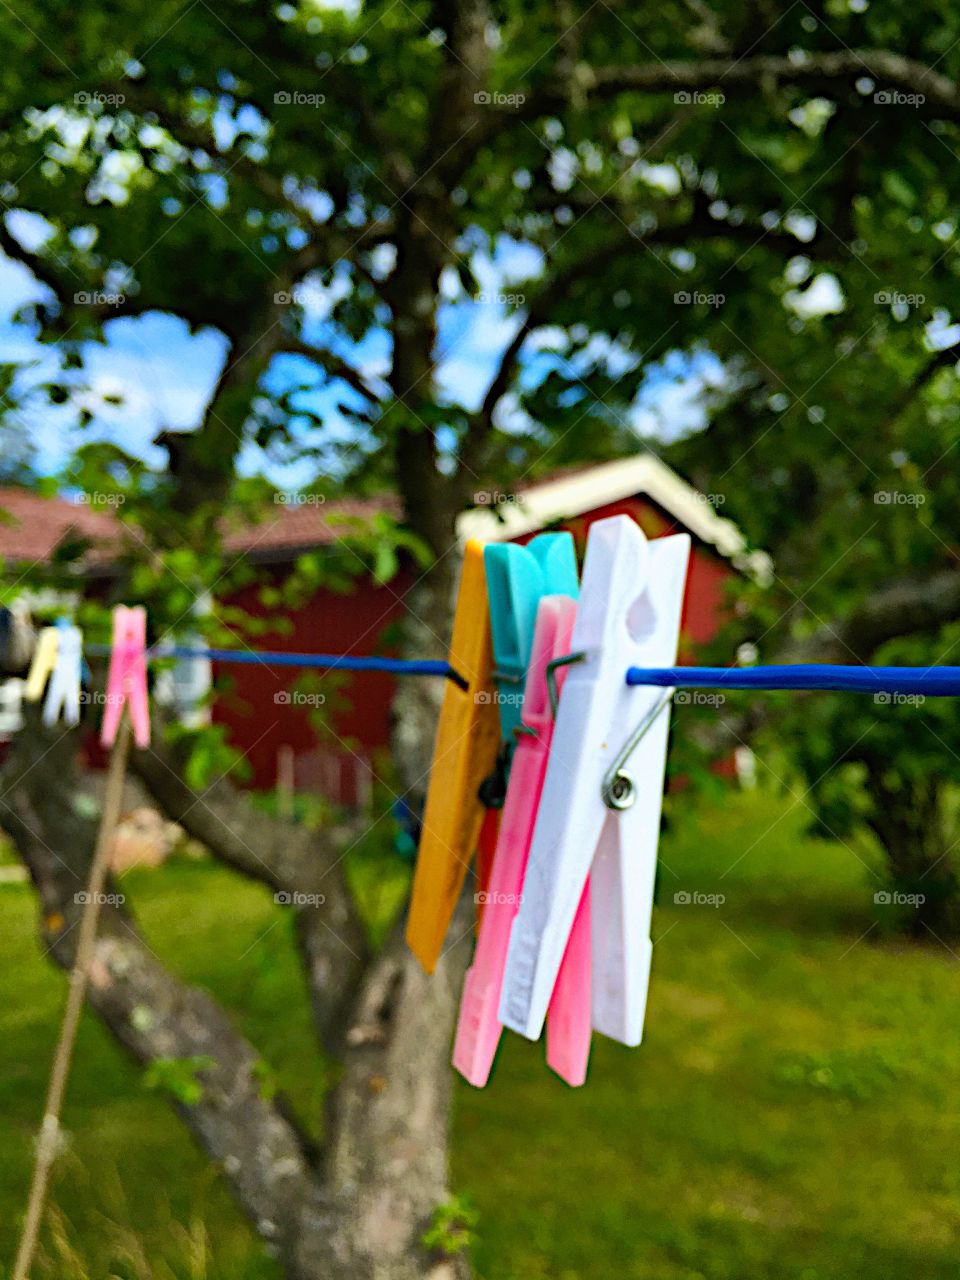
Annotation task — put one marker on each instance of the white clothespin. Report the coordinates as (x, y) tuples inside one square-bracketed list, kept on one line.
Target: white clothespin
[(63, 691), (597, 816)]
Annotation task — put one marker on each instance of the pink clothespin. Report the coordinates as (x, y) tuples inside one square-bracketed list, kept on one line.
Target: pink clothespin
[(127, 676), (568, 1029)]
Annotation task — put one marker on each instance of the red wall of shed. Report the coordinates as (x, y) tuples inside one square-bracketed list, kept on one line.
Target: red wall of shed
[(261, 726), (703, 604)]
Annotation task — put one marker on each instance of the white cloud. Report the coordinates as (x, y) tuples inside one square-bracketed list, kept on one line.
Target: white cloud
[(822, 297)]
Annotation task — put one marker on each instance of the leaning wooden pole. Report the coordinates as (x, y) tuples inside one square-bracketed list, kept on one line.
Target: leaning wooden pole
[(49, 1135)]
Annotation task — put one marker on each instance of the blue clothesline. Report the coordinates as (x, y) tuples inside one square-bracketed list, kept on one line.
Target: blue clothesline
[(323, 661), (934, 682)]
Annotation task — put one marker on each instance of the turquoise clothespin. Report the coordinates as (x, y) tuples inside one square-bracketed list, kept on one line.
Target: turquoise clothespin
[(517, 578)]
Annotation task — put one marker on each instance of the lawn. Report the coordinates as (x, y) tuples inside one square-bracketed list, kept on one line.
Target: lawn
[(794, 1112)]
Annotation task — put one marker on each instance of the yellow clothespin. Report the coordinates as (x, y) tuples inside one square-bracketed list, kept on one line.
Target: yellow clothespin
[(44, 661), (468, 739)]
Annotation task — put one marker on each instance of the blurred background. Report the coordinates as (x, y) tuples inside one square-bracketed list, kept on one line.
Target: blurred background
[(294, 299)]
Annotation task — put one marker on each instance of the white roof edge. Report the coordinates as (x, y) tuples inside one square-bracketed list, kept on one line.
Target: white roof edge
[(511, 516)]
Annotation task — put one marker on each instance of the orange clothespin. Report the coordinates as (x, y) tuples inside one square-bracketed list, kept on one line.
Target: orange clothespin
[(468, 739)]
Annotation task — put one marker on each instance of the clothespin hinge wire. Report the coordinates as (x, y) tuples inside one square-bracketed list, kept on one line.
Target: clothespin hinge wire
[(618, 788), (565, 661)]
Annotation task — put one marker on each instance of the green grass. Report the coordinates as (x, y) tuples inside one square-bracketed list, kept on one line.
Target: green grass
[(794, 1112)]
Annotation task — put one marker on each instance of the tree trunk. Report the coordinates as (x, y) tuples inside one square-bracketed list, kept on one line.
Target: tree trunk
[(358, 1208), (916, 834), (388, 1123), (426, 633)]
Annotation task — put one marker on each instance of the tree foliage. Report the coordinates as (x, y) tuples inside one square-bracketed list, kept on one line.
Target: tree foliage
[(766, 193)]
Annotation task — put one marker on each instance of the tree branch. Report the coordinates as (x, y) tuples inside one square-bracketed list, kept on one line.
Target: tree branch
[(904, 608), (883, 65), (701, 227), (287, 858), (332, 364), (262, 1153), (43, 267)]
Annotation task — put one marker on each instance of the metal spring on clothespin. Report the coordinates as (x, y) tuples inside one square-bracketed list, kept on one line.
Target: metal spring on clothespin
[(618, 788)]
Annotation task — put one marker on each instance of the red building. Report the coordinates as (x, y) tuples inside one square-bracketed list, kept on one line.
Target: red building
[(271, 713)]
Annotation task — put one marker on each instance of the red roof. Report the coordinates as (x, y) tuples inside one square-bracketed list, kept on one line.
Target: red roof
[(33, 527), (310, 522), (287, 528)]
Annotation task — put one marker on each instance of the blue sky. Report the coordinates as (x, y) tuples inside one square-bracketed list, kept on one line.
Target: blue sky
[(165, 375)]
